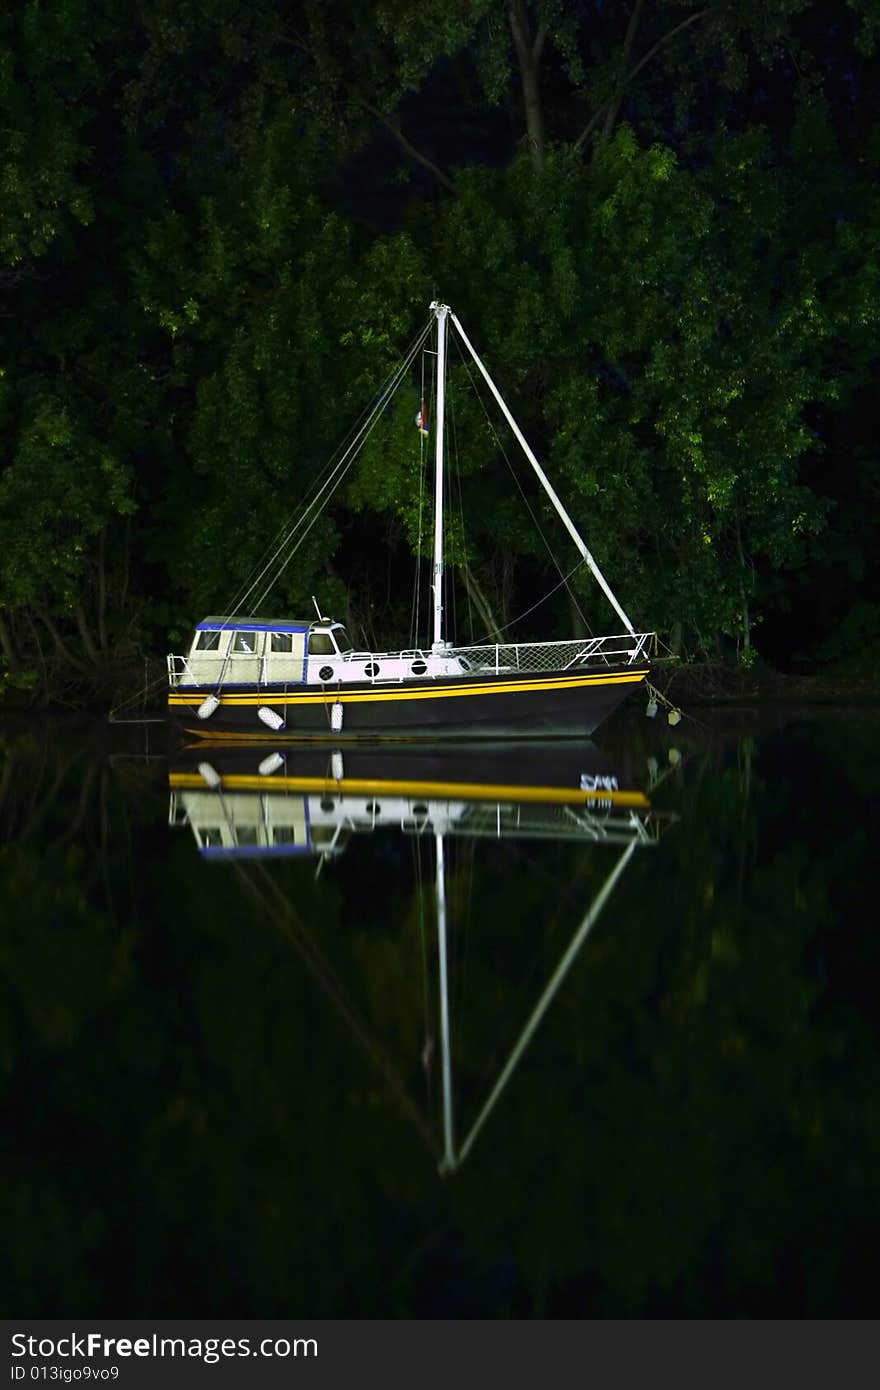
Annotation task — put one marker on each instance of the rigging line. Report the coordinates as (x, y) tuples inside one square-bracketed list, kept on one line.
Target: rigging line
[(456, 470), (288, 924), (415, 615), (355, 441), (550, 990), (301, 540), (341, 467), (138, 695), (522, 494), (423, 942), (332, 482), (536, 962), (520, 616), (420, 539), (342, 446), (466, 897), (286, 525)]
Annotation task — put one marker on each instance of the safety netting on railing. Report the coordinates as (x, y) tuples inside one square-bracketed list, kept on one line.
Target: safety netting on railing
[(557, 656)]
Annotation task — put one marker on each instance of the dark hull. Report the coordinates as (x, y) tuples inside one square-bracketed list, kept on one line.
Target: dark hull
[(243, 802), (562, 704), (562, 764)]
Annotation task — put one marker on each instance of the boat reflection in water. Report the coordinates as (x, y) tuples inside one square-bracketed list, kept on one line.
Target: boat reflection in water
[(242, 803)]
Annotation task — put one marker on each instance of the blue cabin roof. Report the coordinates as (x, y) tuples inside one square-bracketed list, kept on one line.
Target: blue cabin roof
[(226, 624)]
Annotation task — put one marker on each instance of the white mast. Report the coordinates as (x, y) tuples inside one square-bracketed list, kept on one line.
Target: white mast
[(449, 1160), (440, 312), (545, 482)]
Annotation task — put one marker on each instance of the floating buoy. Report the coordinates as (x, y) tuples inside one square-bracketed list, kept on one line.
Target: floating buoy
[(207, 707), (337, 768), (674, 716), (674, 757), (270, 764), (210, 775), (270, 717), (336, 716), (651, 711)]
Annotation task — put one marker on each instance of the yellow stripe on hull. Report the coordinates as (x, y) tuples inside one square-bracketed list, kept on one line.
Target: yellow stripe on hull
[(469, 791), (440, 692)]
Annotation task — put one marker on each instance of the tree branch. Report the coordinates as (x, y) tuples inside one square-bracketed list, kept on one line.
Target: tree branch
[(614, 105), (406, 145), (597, 115), (60, 646)]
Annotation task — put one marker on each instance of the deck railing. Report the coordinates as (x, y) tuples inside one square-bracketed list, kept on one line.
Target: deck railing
[(625, 648), (621, 649)]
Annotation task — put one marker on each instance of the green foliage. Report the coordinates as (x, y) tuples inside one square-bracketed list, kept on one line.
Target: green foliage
[(210, 267), (61, 491)]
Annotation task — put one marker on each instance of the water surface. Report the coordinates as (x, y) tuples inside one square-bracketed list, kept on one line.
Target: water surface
[(227, 1089)]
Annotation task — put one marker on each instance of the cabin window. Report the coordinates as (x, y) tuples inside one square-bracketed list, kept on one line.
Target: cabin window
[(343, 641), (212, 837), (246, 835), (282, 642), (321, 644), (208, 642), (284, 834), (244, 642)]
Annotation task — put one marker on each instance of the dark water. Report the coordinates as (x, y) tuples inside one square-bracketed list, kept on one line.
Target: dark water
[(224, 1075)]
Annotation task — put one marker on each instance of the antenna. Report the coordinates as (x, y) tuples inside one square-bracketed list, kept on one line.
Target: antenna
[(317, 609)]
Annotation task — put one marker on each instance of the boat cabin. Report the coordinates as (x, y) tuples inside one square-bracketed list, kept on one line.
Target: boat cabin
[(252, 651), (280, 652)]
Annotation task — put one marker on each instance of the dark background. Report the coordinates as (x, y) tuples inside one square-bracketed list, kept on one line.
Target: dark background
[(222, 222)]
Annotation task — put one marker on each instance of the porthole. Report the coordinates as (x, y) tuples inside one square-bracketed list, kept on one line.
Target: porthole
[(325, 674), (371, 669), (420, 810), (419, 667), (327, 804), (373, 808)]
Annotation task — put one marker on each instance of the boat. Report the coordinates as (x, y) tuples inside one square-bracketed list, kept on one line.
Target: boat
[(241, 803), (253, 677)]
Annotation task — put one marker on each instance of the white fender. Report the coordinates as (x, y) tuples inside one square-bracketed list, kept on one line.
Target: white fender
[(270, 717), (270, 764), (207, 707), (210, 775), (336, 716)]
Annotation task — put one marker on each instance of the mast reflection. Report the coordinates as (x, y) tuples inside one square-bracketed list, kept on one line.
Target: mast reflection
[(242, 805)]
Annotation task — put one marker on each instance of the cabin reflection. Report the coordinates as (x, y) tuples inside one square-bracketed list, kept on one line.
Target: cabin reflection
[(247, 805), (241, 804)]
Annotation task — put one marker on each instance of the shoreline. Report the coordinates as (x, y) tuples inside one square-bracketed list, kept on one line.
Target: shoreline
[(684, 685), (706, 684)]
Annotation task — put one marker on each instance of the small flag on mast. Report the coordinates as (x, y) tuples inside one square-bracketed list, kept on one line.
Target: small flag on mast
[(422, 420)]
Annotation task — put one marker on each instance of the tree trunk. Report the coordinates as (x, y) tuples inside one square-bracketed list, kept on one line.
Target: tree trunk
[(528, 52), (7, 646), (481, 603), (126, 568), (60, 645), (86, 638), (578, 625), (102, 595), (744, 599)]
